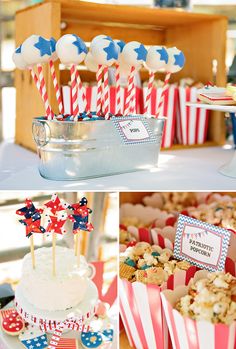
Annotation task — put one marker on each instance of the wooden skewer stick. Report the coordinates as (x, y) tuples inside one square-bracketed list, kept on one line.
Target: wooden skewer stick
[(78, 236), (76, 243), (54, 239), (32, 250)]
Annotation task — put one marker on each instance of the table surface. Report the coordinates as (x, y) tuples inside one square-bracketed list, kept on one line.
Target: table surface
[(217, 107), (189, 169)]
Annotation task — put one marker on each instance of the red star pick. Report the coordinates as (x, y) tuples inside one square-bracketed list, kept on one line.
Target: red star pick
[(32, 226), (56, 205), (55, 226)]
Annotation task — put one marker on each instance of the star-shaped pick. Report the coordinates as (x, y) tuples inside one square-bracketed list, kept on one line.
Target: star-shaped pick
[(56, 225), (111, 51), (179, 60), (163, 54), (32, 226), (29, 210), (44, 46), (80, 44), (142, 53), (56, 205)]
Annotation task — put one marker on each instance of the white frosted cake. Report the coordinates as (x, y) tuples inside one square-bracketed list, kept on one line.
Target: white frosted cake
[(45, 291)]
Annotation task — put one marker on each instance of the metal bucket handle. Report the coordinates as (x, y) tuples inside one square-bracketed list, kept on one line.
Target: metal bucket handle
[(41, 132)]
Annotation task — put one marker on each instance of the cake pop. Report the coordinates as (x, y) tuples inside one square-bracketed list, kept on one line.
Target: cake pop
[(18, 59), (90, 63), (119, 46)]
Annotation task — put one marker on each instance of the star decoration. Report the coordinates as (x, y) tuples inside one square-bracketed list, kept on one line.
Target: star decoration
[(163, 55), (179, 59), (53, 44), (142, 53), (29, 211), (80, 45), (56, 225), (32, 226), (18, 50), (121, 44), (44, 46), (56, 205), (39, 342), (111, 51)]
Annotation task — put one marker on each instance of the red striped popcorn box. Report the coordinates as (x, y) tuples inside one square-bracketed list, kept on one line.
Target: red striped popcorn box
[(186, 333), (168, 110), (142, 312), (192, 123)]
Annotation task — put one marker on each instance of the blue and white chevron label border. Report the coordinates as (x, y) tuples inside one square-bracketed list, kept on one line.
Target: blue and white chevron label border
[(151, 138), (184, 221)]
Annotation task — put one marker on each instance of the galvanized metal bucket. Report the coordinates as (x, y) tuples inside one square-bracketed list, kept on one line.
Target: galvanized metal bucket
[(78, 150)]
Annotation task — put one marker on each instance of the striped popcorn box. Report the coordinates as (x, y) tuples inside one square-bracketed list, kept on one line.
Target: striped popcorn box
[(168, 110), (192, 123), (187, 333), (142, 312)]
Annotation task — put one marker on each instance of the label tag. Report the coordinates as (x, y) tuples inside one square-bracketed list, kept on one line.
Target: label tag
[(201, 244), (134, 130)]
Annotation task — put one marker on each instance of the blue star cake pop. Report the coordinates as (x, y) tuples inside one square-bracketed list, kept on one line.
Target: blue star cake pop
[(99, 37), (176, 60), (90, 63), (134, 53), (18, 59), (104, 51), (71, 49), (157, 58), (36, 49), (120, 44)]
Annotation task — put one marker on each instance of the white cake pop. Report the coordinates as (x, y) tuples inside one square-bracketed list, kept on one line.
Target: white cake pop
[(90, 63), (53, 43), (18, 59), (71, 49), (157, 58), (36, 49), (134, 53), (176, 60), (99, 37), (104, 52)]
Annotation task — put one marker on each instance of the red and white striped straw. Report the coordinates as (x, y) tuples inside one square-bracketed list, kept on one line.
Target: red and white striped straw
[(106, 93), (43, 93), (75, 106), (132, 108), (129, 90), (82, 89), (118, 90), (99, 89), (163, 94), (36, 80), (56, 86), (149, 92)]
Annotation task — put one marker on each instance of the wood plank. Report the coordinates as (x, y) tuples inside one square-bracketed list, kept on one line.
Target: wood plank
[(28, 100)]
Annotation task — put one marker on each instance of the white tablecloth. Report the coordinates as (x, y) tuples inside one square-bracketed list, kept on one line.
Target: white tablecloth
[(191, 169)]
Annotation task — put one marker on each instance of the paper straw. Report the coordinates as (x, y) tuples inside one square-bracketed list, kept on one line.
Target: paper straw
[(149, 92), (82, 89), (78, 236), (75, 106), (43, 93), (56, 86), (129, 89), (118, 90), (106, 93), (132, 108), (162, 99), (99, 89), (32, 250), (54, 239)]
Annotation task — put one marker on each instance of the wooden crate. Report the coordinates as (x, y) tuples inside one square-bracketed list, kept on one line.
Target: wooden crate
[(201, 37)]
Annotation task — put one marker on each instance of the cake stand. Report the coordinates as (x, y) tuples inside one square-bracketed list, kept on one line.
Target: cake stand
[(82, 309), (228, 169)]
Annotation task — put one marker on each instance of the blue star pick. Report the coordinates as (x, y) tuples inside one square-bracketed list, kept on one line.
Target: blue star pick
[(53, 44), (142, 53), (18, 50), (44, 46), (179, 60), (80, 45), (164, 55), (111, 51), (121, 44)]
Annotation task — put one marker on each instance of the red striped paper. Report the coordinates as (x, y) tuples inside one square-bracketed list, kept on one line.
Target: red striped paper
[(67, 343)]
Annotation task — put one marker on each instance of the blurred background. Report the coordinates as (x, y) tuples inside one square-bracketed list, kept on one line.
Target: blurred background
[(98, 245), (7, 44)]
